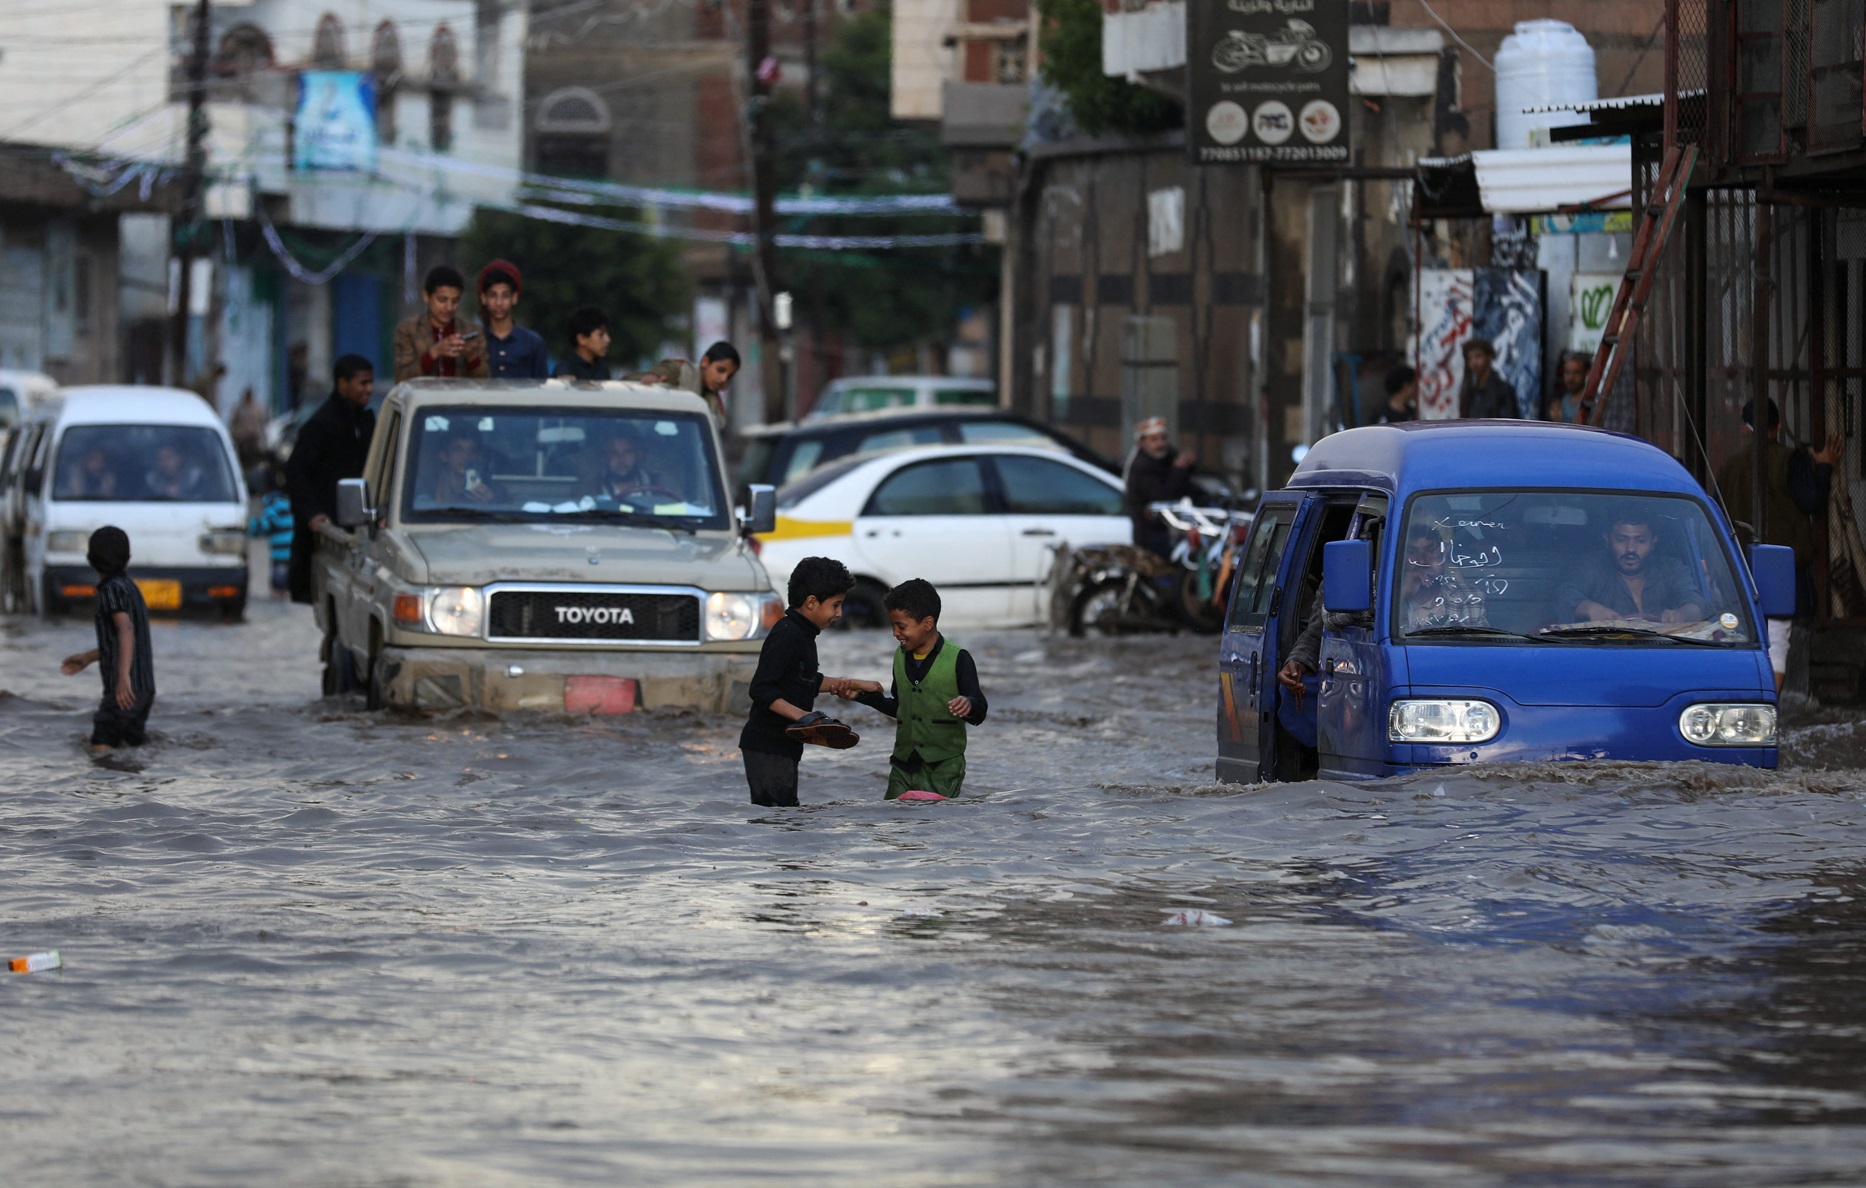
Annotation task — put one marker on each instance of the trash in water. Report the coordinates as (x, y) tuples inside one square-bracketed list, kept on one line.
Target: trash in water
[(1439, 791), (927, 913), (1195, 917), (35, 963)]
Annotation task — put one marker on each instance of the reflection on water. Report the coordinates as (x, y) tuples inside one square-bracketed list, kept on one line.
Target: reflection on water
[(313, 944)]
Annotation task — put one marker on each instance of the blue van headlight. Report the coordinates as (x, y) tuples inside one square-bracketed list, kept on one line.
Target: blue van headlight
[(1442, 720), (1720, 724)]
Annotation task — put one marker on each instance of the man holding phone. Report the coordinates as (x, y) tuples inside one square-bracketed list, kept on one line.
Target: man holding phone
[(430, 344)]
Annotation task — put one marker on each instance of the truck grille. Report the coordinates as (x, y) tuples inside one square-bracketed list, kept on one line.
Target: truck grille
[(594, 615)]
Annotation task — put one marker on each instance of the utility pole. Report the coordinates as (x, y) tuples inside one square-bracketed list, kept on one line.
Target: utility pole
[(764, 197), (194, 176)]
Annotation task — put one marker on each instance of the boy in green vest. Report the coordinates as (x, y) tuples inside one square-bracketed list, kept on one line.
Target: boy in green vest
[(935, 693)]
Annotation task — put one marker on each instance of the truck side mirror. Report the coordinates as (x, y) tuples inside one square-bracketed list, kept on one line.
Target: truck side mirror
[(762, 515), (353, 510), (1773, 567), (1347, 576)]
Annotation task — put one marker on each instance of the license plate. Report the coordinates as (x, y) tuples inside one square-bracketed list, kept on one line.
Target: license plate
[(160, 593)]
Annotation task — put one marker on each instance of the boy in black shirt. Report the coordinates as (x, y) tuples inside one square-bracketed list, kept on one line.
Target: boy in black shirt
[(934, 695), (787, 681), (128, 665)]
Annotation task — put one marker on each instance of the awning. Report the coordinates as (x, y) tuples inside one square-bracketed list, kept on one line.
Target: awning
[(1570, 178)]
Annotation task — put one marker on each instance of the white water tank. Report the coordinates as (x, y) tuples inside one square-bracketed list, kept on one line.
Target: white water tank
[(1542, 64)]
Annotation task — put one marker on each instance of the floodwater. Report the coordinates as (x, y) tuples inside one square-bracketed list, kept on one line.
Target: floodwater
[(306, 944)]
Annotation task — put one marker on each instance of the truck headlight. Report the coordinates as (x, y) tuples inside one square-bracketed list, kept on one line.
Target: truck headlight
[(1442, 721), (65, 542), (1719, 724), (224, 542), (741, 616), (456, 610)]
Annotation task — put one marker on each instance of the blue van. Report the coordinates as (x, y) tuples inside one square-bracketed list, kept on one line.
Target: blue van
[(1495, 590)]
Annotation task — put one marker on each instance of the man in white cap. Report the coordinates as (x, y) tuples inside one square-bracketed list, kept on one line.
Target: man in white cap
[(1158, 473)]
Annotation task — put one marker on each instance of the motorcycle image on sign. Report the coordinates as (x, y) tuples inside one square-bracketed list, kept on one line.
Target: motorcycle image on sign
[(1293, 45)]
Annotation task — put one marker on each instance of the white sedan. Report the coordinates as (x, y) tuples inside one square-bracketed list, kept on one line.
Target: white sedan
[(979, 522)]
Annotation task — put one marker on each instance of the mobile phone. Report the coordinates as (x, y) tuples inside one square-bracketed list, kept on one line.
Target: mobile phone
[(472, 478), (469, 336)]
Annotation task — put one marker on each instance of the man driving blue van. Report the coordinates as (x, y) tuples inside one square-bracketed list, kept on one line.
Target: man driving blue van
[(1630, 583)]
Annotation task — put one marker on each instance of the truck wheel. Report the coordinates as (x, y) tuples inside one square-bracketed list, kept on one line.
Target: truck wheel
[(339, 670), (372, 680)]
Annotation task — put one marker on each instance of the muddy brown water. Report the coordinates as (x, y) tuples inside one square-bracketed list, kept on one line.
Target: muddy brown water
[(306, 944)]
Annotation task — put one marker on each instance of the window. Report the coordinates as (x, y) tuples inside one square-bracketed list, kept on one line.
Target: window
[(1583, 568), (9, 411), (385, 61), (972, 432), (898, 439), (1039, 487), (949, 487), (872, 399), (1256, 580), (802, 460), (327, 48), (531, 464), (573, 126), (965, 396), (142, 464)]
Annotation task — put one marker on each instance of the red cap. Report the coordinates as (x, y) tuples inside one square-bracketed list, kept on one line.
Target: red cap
[(505, 266)]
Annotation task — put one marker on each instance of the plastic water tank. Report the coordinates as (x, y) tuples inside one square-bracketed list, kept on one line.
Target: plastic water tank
[(1542, 64)]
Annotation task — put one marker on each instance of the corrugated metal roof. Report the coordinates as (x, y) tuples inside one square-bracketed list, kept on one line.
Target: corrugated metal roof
[(1528, 181), (1620, 104)]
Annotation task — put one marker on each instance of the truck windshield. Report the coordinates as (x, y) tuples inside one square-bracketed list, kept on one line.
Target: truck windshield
[(142, 464), (530, 463), (1565, 566)]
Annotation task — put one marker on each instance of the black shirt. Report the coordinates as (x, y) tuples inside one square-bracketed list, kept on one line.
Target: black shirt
[(787, 671), (964, 671), (578, 368), (333, 445), (116, 594)]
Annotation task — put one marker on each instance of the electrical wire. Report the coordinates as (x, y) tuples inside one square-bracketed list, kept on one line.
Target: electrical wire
[(1443, 23)]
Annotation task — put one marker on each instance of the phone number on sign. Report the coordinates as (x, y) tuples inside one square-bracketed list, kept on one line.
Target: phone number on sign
[(1256, 154)]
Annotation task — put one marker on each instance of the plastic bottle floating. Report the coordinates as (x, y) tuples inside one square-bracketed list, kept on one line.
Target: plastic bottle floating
[(1194, 917), (920, 796), (35, 963)]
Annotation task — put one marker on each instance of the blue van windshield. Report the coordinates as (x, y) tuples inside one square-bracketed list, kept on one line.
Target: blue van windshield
[(1566, 566)]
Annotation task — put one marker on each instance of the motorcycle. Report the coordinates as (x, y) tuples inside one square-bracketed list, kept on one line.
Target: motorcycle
[(1294, 45), (1125, 589)]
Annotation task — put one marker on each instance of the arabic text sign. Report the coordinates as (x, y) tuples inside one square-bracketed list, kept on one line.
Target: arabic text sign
[(334, 126), (1267, 81)]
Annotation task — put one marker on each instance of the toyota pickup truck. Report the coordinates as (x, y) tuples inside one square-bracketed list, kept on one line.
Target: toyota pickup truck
[(543, 546)]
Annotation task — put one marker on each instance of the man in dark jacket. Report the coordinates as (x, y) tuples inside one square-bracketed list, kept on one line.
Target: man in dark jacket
[(1485, 393), (1158, 474), (333, 445)]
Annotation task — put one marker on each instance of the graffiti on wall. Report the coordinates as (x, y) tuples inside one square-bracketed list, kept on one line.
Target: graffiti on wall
[(1456, 304)]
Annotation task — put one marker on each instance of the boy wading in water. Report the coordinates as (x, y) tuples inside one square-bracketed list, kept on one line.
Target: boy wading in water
[(935, 693), (786, 683), (128, 666)]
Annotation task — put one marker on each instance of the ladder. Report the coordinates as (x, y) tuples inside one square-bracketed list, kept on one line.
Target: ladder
[(1629, 303)]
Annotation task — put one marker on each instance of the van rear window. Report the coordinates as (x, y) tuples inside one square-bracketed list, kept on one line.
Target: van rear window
[(142, 464)]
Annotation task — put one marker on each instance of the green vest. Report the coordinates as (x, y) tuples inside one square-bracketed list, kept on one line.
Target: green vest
[(924, 723)]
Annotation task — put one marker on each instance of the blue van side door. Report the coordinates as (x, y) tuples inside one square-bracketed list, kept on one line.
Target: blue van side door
[(1264, 597), (1356, 672)]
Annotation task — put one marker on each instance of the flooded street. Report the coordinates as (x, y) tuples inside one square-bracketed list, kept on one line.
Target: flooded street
[(307, 944)]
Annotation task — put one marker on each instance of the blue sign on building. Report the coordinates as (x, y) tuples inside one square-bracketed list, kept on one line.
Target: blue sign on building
[(334, 126)]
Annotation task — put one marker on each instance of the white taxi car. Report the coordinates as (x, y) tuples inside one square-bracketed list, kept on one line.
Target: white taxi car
[(979, 522)]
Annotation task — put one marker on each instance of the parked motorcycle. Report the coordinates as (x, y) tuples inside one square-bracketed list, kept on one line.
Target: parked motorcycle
[(1125, 589)]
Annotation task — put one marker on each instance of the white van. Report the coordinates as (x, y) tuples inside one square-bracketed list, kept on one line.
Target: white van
[(20, 393), (157, 463)]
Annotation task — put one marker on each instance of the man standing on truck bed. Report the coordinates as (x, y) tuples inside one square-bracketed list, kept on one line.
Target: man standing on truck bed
[(431, 343), (333, 445)]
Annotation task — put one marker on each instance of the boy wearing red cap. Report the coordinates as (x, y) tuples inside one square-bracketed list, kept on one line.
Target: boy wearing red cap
[(512, 351)]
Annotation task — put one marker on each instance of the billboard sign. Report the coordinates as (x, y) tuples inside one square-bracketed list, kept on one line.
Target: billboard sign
[(1267, 82), (334, 126)]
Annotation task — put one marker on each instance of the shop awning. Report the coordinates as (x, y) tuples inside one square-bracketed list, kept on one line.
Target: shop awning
[(1570, 178)]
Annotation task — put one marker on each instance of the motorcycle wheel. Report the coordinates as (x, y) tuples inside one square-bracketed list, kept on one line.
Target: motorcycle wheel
[(1314, 56), (1100, 606), (1201, 614), (1230, 56)]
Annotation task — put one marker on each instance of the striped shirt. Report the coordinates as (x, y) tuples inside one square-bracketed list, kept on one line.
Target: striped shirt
[(115, 594)]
